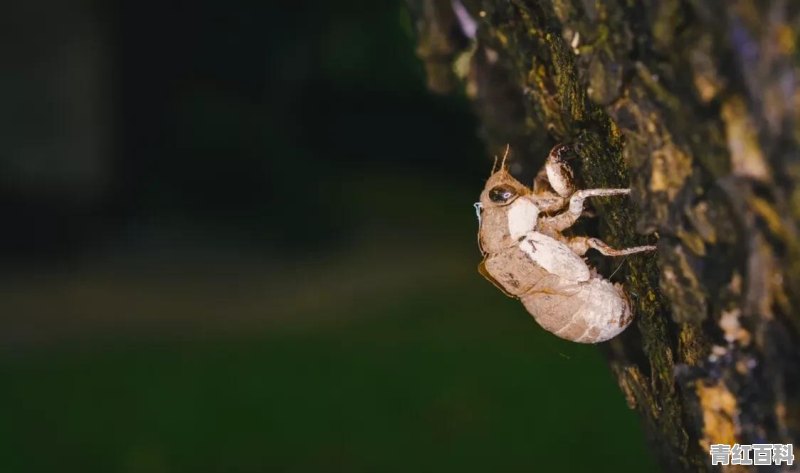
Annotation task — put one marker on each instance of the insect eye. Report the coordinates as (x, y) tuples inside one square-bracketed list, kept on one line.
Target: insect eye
[(502, 194)]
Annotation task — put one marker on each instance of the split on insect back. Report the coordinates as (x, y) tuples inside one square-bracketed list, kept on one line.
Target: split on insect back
[(526, 255)]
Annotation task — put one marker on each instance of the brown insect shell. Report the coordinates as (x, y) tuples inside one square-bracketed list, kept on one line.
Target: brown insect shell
[(555, 285)]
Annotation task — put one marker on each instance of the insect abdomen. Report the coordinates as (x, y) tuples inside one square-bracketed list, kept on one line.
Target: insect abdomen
[(589, 312)]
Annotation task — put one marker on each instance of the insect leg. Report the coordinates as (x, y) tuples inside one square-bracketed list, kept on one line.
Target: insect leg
[(568, 218), (581, 245)]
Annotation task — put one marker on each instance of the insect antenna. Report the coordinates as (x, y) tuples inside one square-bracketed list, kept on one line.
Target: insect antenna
[(494, 165)]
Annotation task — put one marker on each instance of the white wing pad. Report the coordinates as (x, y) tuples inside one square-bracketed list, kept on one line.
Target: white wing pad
[(522, 217), (555, 257)]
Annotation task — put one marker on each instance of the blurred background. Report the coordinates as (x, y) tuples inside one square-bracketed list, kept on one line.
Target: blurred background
[(239, 237)]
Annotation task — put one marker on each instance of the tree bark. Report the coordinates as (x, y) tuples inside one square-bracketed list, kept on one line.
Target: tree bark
[(695, 105)]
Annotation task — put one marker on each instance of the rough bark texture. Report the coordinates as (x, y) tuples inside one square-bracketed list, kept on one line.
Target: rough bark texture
[(696, 106)]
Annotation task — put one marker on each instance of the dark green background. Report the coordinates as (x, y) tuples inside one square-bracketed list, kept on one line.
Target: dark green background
[(277, 269)]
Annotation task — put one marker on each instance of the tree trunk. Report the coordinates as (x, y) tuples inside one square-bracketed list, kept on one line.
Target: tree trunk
[(696, 106)]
